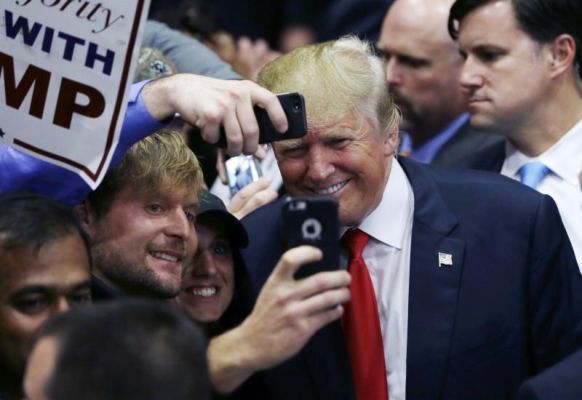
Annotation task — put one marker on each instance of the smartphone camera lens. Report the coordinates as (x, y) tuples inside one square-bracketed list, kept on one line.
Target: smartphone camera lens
[(296, 107)]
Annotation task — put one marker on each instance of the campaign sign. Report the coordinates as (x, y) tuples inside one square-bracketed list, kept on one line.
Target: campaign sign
[(65, 69)]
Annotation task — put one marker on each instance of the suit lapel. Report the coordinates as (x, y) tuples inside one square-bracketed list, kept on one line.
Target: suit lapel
[(327, 361), (432, 303), (433, 289)]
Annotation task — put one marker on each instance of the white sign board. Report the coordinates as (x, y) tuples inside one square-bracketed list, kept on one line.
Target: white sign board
[(65, 69)]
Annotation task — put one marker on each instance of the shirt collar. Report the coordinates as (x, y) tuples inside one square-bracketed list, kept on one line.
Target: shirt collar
[(563, 158), (428, 150), (387, 223)]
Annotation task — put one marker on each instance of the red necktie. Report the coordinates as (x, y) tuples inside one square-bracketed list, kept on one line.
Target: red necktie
[(362, 325)]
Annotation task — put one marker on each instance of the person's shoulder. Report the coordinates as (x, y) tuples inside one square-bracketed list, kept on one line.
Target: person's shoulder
[(489, 157), (270, 210), (484, 200), (470, 184), (265, 220), (468, 146)]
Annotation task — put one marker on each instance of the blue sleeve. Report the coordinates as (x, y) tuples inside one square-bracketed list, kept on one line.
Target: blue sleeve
[(555, 310), (20, 171)]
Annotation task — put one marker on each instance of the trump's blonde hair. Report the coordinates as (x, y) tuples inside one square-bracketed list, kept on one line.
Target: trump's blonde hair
[(335, 78)]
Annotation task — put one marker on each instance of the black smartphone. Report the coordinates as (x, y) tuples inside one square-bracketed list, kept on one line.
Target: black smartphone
[(294, 106), (313, 221), (240, 171)]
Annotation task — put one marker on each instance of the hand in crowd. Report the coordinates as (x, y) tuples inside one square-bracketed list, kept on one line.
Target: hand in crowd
[(251, 197), (287, 313), (207, 103)]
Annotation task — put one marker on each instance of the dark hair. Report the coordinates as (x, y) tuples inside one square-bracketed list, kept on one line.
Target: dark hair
[(132, 349), (191, 16), (29, 219), (542, 20)]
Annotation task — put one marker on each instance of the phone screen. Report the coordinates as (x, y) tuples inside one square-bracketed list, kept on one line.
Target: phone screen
[(313, 221), (240, 171)]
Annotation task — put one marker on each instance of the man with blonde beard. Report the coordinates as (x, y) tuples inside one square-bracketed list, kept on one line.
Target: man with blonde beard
[(140, 219)]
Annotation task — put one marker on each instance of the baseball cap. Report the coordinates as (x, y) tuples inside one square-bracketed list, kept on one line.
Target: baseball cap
[(151, 64), (211, 205)]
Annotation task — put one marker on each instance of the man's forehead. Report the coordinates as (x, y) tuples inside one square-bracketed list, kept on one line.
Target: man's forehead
[(418, 21), (499, 12), (211, 231), (28, 265), (350, 122), (33, 286), (29, 283), (166, 190)]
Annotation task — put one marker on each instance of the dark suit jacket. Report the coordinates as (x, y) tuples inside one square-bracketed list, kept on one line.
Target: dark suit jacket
[(461, 150), (508, 308), (489, 158)]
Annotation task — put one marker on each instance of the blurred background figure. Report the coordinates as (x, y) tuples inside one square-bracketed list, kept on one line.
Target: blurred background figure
[(423, 67), (118, 351), (524, 80), (246, 33)]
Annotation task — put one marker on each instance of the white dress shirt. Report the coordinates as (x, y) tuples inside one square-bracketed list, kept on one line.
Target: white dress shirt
[(387, 256), (564, 159)]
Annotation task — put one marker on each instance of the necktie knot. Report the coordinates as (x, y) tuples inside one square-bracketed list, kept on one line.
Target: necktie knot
[(354, 241), (532, 173)]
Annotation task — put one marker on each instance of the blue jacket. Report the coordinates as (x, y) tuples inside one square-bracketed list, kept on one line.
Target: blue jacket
[(509, 308)]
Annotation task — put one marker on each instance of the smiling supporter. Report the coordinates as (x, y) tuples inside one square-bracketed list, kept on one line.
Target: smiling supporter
[(139, 219), (209, 282)]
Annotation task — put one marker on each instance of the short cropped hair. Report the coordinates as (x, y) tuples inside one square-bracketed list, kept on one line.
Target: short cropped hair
[(32, 220), (335, 77), (162, 158), (541, 20), (131, 349)]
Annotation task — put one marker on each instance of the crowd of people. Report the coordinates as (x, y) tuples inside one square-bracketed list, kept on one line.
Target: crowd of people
[(451, 138)]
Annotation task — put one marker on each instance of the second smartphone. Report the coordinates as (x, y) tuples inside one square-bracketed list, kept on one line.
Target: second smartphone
[(313, 221)]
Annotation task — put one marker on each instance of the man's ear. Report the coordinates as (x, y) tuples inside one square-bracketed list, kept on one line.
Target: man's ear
[(86, 216), (562, 55), (391, 142)]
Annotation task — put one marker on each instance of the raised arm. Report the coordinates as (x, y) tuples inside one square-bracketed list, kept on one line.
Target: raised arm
[(287, 313)]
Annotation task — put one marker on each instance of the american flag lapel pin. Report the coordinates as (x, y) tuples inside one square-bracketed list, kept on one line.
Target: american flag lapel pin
[(445, 260)]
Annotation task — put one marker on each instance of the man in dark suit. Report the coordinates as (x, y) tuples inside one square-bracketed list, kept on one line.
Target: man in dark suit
[(474, 279), (423, 67), (523, 80)]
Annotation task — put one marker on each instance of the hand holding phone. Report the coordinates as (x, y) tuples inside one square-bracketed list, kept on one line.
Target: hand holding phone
[(313, 221), (294, 106)]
